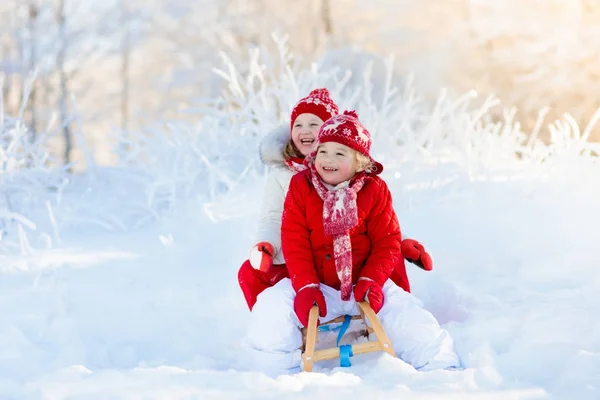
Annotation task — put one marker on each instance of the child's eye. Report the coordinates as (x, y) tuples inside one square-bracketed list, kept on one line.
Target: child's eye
[(322, 151), (340, 154), (297, 126), (314, 125)]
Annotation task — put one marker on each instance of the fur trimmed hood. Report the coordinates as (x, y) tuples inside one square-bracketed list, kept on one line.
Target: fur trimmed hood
[(272, 145)]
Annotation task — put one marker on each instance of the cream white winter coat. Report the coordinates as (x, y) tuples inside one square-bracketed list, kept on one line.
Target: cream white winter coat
[(278, 182)]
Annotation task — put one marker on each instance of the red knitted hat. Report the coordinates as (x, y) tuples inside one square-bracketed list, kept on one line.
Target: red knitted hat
[(346, 129), (318, 102)]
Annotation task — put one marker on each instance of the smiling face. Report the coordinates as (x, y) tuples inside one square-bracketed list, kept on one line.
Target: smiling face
[(304, 132), (336, 163)]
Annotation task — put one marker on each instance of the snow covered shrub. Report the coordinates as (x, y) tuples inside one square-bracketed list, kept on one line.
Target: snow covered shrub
[(210, 159), (30, 186)]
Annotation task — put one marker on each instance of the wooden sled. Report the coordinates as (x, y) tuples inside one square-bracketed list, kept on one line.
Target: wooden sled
[(309, 338)]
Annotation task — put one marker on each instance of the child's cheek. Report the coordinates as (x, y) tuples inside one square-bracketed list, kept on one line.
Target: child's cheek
[(346, 169), (318, 163)]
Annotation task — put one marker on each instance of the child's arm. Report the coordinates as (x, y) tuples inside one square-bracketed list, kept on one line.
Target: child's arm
[(383, 229), (269, 226), (295, 236)]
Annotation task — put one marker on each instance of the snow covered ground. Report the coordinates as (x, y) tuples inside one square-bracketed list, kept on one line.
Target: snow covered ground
[(155, 313), (121, 283)]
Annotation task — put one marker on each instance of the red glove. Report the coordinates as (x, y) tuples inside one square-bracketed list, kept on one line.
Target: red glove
[(415, 253), (261, 256), (305, 299), (366, 288)]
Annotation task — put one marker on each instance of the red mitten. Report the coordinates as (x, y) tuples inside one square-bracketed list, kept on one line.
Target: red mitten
[(261, 256), (369, 289), (415, 253), (305, 299), (252, 282)]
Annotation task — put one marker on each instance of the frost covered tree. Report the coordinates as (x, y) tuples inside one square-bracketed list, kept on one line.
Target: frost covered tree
[(133, 62), (68, 46), (531, 54)]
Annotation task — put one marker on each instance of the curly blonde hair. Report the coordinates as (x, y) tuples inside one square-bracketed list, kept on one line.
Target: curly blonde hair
[(364, 163)]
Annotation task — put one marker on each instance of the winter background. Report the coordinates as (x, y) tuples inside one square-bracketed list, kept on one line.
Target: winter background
[(130, 184)]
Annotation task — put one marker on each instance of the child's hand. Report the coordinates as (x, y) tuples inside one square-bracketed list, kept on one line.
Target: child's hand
[(261, 256), (305, 299), (415, 253), (370, 290)]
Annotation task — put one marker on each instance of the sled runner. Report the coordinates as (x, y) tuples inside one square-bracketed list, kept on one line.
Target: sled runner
[(343, 352)]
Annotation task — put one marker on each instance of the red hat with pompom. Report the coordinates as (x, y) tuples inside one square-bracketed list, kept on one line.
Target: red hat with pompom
[(318, 102), (346, 129)]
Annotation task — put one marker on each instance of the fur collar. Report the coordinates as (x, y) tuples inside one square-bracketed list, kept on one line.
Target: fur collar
[(272, 145)]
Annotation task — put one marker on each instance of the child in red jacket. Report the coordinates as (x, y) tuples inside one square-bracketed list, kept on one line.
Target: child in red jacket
[(283, 151), (341, 239)]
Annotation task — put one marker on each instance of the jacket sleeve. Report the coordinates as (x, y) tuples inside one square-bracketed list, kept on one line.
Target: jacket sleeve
[(295, 236), (383, 230), (269, 225)]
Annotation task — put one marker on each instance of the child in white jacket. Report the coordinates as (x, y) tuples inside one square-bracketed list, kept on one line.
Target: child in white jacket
[(283, 150)]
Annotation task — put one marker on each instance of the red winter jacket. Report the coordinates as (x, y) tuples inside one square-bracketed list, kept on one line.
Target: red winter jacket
[(309, 251)]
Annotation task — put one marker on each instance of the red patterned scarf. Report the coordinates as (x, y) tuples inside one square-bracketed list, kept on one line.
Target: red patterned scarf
[(340, 214), (295, 164)]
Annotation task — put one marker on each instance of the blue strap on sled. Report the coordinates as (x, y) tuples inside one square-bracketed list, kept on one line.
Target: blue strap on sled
[(345, 349), (345, 354)]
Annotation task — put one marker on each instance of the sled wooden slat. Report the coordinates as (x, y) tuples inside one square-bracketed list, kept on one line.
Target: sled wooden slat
[(384, 341), (309, 337)]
